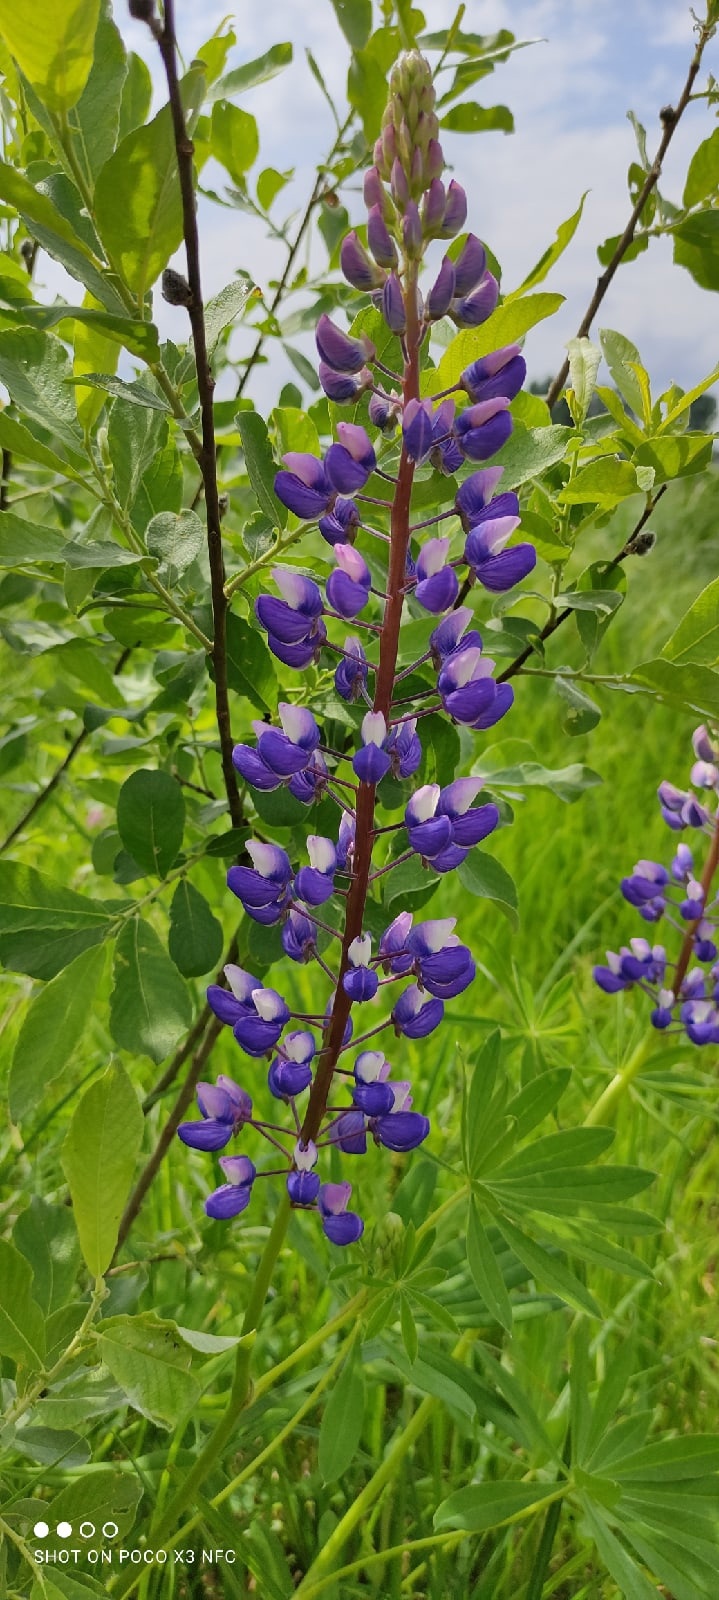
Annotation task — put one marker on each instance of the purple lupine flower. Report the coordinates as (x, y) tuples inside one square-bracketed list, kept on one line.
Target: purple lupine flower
[(496, 568), (446, 636), (501, 373), (291, 1070), (308, 784), (643, 889), (339, 350), (482, 429), (343, 387), (303, 1185), (340, 1225), (393, 951), (371, 762), (474, 494), (442, 292), (404, 749), (291, 750), (417, 428), (295, 617), (351, 674), (234, 1196), (433, 208), (256, 1015), (437, 585), (348, 587), (299, 937), (346, 842), (224, 1108), (470, 824), (470, 266), (380, 239), (350, 1133), (315, 884), (393, 308), (465, 683), (444, 966), (455, 211), (341, 523), (372, 1094), (360, 982), (679, 808), (352, 461), (415, 1016), (384, 409), (476, 308), (305, 487), (357, 265), (264, 890), (427, 833)]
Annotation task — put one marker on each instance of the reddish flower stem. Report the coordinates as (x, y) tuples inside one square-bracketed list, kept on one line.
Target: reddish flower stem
[(384, 683), (685, 954)]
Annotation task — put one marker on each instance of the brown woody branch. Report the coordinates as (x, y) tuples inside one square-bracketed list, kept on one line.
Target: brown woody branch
[(670, 117), (167, 42)]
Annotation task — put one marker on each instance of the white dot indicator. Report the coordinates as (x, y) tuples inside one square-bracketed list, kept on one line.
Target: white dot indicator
[(110, 1530), (64, 1529), (41, 1530)]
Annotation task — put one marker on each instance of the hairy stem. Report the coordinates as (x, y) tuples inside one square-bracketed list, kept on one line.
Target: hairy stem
[(670, 120)]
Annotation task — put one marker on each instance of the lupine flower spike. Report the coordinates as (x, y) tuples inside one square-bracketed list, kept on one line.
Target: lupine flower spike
[(685, 991), (380, 992)]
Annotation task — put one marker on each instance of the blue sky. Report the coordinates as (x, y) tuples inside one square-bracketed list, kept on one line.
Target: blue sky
[(569, 94)]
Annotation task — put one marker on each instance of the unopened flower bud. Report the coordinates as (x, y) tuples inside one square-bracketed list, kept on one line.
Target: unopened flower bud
[(175, 288)]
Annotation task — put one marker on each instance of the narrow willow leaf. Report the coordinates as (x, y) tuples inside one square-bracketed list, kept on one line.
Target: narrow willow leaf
[(99, 1156), (260, 464), (150, 1005), (151, 819), (481, 874), (685, 684), (565, 233), (235, 141), (22, 1324), (52, 1030), (53, 44), (260, 70), (341, 1427), (485, 1270), (696, 637), (97, 113)]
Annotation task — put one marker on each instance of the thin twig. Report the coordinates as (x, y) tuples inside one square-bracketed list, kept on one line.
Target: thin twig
[(670, 117), (551, 626), (167, 41), (58, 774)]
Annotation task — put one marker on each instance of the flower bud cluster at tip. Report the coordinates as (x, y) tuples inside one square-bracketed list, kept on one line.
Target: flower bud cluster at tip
[(684, 1001), (404, 984)]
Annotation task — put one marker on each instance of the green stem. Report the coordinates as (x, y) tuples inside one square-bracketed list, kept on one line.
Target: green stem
[(605, 1106), (277, 549), (431, 1541)]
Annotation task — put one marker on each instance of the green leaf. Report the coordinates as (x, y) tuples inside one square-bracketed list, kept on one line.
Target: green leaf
[(195, 942), (581, 714), (47, 1237), (509, 322), (355, 20), (22, 1324), (684, 684), (341, 1426), (23, 444), (138, 210), (631, 1580), (235, 141), (703, 175), (98, 1156), (98, 1495), (671, 1460), (52, 1030), (151, 1362), (97, 113), (476, 1130), (538, 1097), (675, 456), (176, 538), (151, 819), (484, 876), (584, 359), (140, 338), (23, 543), (696, 247), (572, 1147), (696, 637), (547, 1269), (35, 368), (53, 45), (44, 925), (150, 1006), (136, 394), (260, 70), (568, 783), (250, 666), (56, 235), (224, 307), (565, 232), (471, 118), (260, 464), (531, 452), (621, 357), (485, 1270), (487, 1505), (603, 483)]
